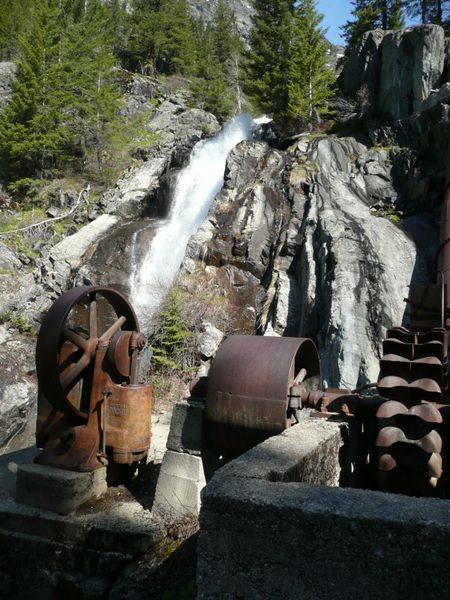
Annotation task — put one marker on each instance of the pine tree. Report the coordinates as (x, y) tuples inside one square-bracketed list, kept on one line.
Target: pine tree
[(310, 78), (430, 11), (170, 343), (267, 66), (175, 38), (63, 94), (32, 133), (372, 14), (13, 21), (228, 49), (142, 25), (210, 87)]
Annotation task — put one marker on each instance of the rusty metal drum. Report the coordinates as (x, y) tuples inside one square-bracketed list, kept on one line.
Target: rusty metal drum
[(249, 388)]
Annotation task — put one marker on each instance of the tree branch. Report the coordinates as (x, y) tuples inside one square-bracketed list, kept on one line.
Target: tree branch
[(81, 195)]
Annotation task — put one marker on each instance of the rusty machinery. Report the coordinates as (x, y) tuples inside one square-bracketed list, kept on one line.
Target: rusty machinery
[(91, 409), (258, 385)]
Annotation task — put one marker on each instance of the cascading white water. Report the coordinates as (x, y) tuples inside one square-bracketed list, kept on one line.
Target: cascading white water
[(196, 187)]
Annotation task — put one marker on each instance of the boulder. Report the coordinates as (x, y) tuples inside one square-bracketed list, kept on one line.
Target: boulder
[(395, 72), (209, 340), (18, 390), (412, 66), (135, 192), (363, 67), (8, 259)]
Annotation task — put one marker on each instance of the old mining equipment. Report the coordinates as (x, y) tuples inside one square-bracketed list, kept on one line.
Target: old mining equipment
[(258, 386), (91, 409)]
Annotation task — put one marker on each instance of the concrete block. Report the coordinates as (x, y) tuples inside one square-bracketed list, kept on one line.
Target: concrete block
[(180, 482), (58, 490), (187, 427), (265, 534), (308, 452)]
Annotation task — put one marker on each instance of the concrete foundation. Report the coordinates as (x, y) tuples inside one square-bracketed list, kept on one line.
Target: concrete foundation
[(273, 525), (180, 482), (111, 547), (187, 428), (56, 489)]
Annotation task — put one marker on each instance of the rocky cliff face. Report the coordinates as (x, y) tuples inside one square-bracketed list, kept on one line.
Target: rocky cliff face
[(298, 239), (204, 9), (397, 71)]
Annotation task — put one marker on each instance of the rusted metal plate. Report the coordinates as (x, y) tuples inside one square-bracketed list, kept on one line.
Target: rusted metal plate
[(128, 422), (249, 385)]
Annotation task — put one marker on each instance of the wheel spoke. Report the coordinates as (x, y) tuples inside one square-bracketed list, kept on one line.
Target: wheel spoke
[(93, 316), (71, 375), (76, 339), (112, 330)]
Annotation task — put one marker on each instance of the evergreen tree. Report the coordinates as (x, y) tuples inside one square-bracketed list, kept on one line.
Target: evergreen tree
[(32, 134), (373, 14), (228, 49), (175, 38), (170, 343), (163, 35), (267, 66), (210, 87), (430, 11), (14, 19), (63, 93), (310, 78), (142, 26)]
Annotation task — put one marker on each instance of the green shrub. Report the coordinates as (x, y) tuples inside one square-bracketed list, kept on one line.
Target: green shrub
[(171, 350), (17, 321)]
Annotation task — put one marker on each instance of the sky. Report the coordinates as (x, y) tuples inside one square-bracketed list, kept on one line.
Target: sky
[(336, 13)]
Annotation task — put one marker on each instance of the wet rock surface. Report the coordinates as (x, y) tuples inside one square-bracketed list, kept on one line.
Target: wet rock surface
[(241, 236)]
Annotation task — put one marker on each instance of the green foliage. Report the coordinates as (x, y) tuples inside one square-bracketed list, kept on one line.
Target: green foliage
[(286, 70), (310, 78), (18, 321), (430, 11), (170, 346), (14, 20), (210, 87), (163, 36), (216, 86), (267, 64), (373, 14), (64, 94)]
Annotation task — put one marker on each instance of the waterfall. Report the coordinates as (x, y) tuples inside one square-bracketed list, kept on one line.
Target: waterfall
[(195, 189)]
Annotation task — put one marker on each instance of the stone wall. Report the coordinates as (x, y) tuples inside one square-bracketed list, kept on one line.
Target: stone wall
[(273, 525)]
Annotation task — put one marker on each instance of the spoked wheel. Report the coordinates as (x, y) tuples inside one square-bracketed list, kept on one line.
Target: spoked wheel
[(77, 323)]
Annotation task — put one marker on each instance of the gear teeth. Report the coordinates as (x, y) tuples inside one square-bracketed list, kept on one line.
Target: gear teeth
[(427, 412), (415, 391), (391, 409), (388, 436), (409, 447)]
